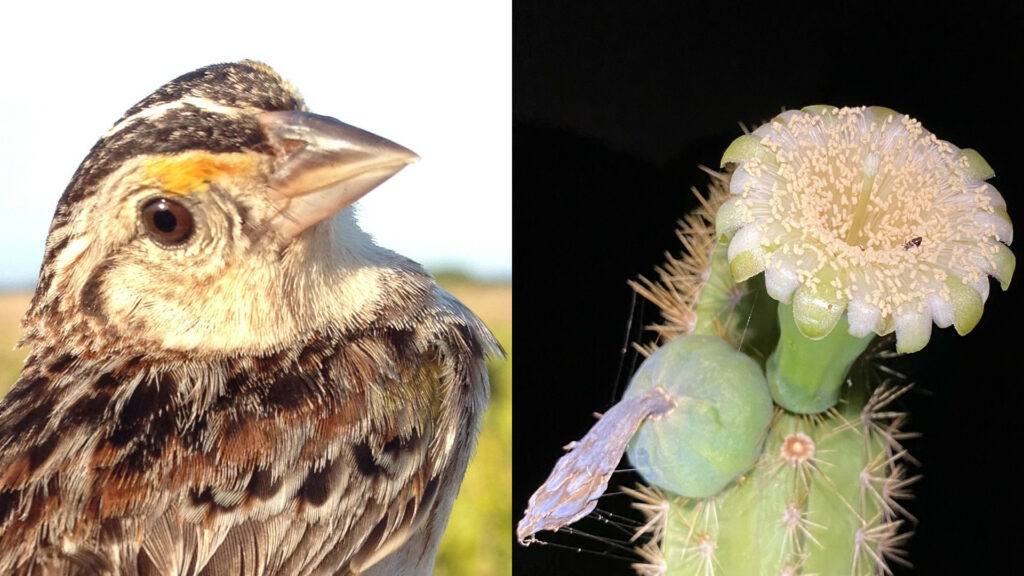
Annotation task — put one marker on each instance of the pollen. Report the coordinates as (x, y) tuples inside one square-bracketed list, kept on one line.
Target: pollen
[(862, 210), (195, 170)]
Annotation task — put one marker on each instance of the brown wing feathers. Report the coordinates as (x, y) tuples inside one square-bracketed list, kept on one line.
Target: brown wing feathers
[(263, 468)]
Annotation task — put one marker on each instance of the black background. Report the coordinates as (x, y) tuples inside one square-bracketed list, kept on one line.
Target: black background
[(614, 106)]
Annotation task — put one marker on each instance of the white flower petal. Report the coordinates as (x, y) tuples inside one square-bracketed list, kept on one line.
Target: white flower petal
[(746, 239), (981, 287), (730, 217), (941, 310), (999, 222), (862, 317), (742, 182), (780, 282)]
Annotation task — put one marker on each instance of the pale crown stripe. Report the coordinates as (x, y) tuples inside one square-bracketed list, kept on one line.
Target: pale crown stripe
[(161, 109)]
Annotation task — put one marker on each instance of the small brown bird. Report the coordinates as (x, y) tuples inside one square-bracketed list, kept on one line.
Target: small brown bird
[(227, 376)]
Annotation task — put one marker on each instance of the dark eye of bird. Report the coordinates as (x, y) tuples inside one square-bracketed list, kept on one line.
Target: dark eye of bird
[(167, 221)]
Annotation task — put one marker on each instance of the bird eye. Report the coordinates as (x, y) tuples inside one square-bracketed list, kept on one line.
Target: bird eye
[(167, 221)]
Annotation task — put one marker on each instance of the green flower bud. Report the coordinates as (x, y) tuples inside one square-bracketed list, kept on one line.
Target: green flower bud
[(716, 430)]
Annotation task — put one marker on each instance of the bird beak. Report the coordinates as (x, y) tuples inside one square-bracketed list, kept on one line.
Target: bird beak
[(322, 165)]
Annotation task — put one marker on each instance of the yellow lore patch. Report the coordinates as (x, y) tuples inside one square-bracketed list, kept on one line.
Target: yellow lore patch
[(193, 171)]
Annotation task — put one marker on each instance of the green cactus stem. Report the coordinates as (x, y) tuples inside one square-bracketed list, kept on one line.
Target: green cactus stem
[(821, 500), (806, 375)]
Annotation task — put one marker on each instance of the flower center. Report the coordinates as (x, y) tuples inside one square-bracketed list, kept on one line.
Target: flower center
[(864, 188), (856, 235)]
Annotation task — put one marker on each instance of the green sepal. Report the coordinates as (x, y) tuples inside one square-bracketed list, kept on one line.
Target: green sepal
[(977, 167), (815, 314), (881, 112), (913, 331), (819, 109), (967, 305), (729, 218), (746, 147), (1004, 264), (746, 264)]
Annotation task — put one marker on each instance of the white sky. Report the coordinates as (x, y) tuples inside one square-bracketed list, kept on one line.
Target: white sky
[(435, 77)]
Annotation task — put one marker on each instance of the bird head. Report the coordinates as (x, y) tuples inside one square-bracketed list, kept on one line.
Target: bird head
[(215, 217)]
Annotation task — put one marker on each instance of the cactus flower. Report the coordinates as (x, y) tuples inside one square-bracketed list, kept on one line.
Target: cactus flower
[(863, 211)]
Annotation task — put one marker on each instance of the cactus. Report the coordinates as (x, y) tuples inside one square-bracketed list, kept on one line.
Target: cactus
[(822, 498), (868, 229)]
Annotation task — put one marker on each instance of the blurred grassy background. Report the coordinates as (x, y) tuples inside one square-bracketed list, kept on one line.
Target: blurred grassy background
[(479, 536)]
